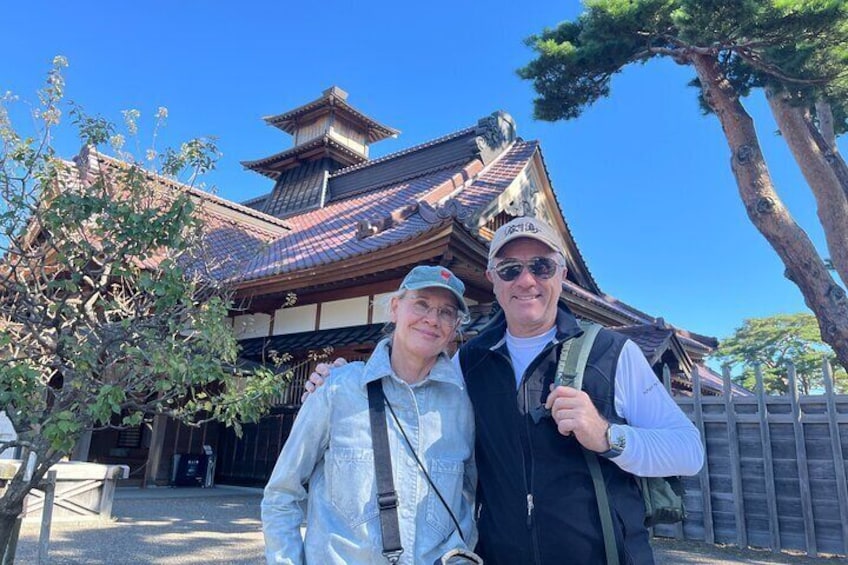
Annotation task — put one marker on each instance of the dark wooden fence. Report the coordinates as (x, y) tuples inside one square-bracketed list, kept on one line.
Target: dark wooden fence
[(775, 472)]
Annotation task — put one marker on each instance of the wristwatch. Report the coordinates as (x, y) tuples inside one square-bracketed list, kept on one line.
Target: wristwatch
[(617, 441)]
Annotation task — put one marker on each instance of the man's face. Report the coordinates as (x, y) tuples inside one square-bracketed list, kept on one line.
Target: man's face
[(529, 302)]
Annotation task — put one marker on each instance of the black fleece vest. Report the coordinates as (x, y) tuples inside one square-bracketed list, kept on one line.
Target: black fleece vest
[(537, 500)]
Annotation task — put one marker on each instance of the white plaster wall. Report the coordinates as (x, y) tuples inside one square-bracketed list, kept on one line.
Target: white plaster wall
[(380, 314), (341, 313), (251, 325), (7, 433), (295, 319)]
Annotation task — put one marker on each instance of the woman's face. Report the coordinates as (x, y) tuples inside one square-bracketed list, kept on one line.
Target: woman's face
[(425, 322)]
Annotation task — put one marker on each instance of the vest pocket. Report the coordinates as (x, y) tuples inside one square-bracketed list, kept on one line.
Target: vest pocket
[(350, 476), (447, 475)]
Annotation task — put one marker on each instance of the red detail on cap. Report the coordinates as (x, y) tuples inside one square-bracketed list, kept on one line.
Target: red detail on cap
[(446, 275)]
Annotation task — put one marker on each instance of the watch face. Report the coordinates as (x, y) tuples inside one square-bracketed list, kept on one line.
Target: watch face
[(616, 439), (619, 441)]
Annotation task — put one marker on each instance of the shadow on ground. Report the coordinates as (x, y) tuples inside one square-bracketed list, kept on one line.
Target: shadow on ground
[(222, 525), (162, 531)]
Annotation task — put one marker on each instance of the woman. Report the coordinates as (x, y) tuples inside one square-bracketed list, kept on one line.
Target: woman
[(330, 446)]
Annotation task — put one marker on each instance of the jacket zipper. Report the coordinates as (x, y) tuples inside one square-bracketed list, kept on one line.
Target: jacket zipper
[(527, 489), (537, 555)]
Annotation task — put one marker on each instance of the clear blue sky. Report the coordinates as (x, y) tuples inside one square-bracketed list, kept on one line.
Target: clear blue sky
[(643, 178)]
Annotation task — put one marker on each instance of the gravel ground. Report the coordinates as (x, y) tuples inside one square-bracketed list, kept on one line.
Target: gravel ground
[(221, 525)]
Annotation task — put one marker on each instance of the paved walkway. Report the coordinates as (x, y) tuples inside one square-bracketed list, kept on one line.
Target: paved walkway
[(187, 526)]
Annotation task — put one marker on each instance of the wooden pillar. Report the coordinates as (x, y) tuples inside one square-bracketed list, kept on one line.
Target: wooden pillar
[(154, 453), (768, 461), (836, 448), (666, 377), (735, 464), (82, 447), (803, 470), (46, 518), (704, 475)]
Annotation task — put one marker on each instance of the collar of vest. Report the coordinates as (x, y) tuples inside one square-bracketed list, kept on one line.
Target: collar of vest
[(495, 331)]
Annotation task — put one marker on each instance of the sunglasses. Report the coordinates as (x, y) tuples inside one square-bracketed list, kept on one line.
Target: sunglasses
[(540, 267)]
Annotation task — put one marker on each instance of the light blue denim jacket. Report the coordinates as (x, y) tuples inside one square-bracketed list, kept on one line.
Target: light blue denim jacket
[(330, 449)]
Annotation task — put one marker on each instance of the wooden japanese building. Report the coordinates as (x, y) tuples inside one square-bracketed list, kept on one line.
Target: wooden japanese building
[(340, 230)]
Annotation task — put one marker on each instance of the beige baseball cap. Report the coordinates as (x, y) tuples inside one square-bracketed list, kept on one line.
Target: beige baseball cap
[(525, 226)]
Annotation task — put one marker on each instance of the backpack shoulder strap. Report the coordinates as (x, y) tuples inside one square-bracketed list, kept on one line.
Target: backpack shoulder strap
[(575, 355), (570, 369)]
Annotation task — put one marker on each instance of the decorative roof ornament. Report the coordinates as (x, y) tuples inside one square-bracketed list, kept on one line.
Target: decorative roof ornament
[(367, 228), (493, 134), (451, 208), (528, 202)]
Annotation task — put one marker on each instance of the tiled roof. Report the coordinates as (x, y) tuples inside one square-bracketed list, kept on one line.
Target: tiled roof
[(232, 232), (652, 340), (445, 152), (403, 152), (258, 348), (606, 303), (495, 178), (333, 97), (90, 159), (268, 165), (329, 234)]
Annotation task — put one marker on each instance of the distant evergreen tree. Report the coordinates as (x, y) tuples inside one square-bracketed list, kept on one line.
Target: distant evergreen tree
[(773, 343)]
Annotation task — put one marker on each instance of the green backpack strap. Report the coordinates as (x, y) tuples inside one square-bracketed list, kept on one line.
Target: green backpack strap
[(572, 364), (575, 355)]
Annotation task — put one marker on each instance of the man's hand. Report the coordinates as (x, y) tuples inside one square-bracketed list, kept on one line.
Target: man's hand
[(316, 378), (573, 412)]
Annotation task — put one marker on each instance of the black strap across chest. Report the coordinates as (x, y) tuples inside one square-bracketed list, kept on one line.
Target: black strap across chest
[(387, 498)]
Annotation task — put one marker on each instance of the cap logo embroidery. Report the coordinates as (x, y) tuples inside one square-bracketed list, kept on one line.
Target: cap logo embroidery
[(446, 275), (528, 227)]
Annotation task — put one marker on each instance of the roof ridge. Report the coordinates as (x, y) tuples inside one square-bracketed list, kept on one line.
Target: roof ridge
[(403, 152), (398, 180)]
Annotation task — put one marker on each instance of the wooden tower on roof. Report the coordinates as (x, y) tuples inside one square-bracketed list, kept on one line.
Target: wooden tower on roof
[(329, 134)]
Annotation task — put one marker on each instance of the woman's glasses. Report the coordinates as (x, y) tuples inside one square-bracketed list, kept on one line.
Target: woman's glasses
[(445, 314), (540, 267)]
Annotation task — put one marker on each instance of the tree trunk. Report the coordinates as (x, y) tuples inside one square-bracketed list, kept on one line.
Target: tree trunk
[(826, 139), (824, 113), (17, 489), (797, 128), (803, 265), (11, 506)]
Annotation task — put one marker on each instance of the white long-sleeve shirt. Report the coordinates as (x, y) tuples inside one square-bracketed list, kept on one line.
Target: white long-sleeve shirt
[(660, 439)]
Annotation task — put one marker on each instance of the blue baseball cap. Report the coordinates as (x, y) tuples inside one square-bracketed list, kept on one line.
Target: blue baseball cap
[(427, 276)]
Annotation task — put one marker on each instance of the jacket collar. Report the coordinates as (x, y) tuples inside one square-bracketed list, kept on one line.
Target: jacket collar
[(494, 332), (379, 365)]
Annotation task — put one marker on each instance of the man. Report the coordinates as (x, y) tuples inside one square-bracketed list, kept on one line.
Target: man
[(536, 497)]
